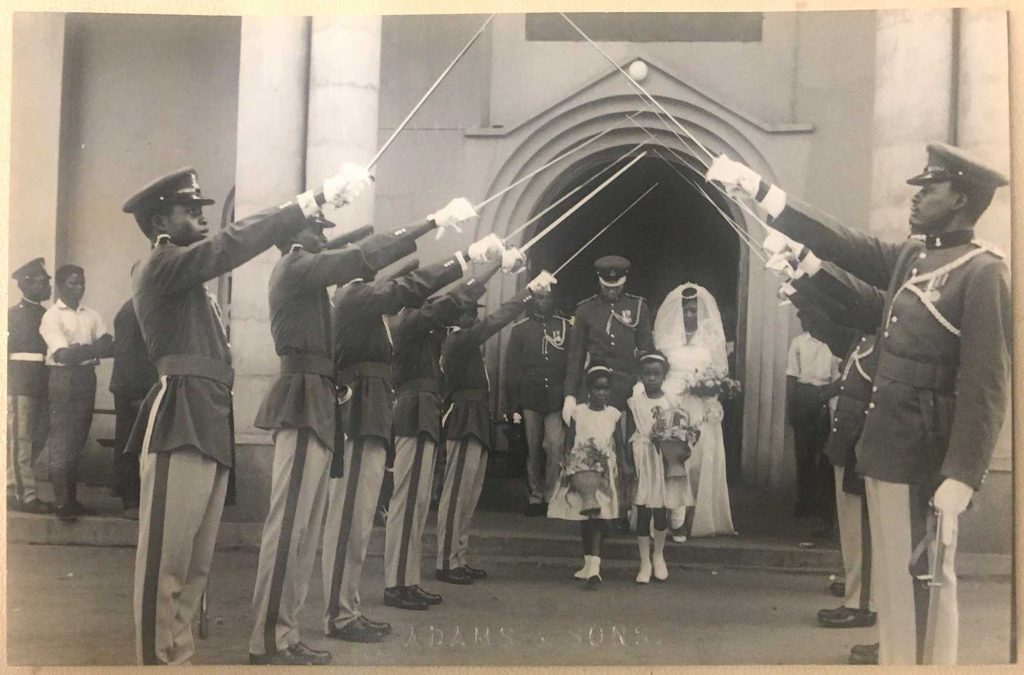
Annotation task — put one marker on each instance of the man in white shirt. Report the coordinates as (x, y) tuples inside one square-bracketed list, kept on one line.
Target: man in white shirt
[(76, 339), (810, 373)]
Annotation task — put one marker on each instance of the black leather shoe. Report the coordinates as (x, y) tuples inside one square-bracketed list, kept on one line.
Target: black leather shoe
[(425, 596), (594, 582), (66, 514), (846, 617), (37, 506), (454, 576), (534, 510), (399, 596), (864, 655), (359, 630), (474, 573), (313, 657), (382, 626)]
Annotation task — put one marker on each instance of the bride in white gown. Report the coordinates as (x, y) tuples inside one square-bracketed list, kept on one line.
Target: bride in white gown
[(688, 330)]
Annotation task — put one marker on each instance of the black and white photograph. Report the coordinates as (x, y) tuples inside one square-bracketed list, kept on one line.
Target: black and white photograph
[(593, 339)]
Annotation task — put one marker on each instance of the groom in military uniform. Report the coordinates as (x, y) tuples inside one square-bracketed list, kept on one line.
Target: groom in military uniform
[(611, 328), (941, 387)]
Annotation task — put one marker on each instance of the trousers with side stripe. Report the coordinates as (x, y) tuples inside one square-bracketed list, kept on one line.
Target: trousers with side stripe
[(899, 519), (291, 532), (181, 501), (463, 483), (26, 434), (351, 504), (855, 542), (407, 515)]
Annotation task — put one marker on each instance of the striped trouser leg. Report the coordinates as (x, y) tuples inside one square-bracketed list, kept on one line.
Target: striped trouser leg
[(291, 532), (182, 499), (407, 516), (465, 460), (351, 503), (22, 419), (855, 542)]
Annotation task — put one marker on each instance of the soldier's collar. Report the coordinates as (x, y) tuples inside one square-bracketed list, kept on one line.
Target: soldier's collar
[(296, 247), (161, 240), (948, 239), (26, 301)]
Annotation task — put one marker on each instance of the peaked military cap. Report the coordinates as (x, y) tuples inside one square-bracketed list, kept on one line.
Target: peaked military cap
[(177, 187), (612, 270), (947, 162), (30, 269)]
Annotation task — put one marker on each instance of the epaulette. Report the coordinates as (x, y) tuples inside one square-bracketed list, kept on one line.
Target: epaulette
[(988, 246), (635, 297), (583, 302)]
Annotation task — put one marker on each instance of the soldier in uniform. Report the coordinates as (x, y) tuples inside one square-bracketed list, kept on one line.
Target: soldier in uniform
[(535, 384), (362, 363), (611, 328), (185, 428), (26, 387), (941, 385), (418, 334), (467, 426), (299, 409)]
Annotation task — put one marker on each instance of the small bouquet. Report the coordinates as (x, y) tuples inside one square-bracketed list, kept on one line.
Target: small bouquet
[(713, 384), (585, 457), (674, 435)]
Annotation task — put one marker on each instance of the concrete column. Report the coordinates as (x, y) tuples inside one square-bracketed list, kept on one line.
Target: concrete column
[(913, 63), (36, 86), (344, 85), (270, 169)]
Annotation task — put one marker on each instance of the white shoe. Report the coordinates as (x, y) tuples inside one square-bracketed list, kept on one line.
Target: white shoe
[(583, 572), (679, 538), (644, 546)]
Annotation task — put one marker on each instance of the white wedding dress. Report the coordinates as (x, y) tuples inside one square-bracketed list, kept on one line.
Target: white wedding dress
[(689, 355)]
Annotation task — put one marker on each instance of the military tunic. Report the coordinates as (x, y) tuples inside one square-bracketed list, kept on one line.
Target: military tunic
[(26, 350), (942, 379), (537, 356), (26, 397), (612, 334)]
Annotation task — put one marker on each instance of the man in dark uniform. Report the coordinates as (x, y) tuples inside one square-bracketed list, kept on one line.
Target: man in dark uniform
[(299, 409), (535, 384), (418, 334), (26, 387), (131, 379), (185, 429), (611, 328), (362, 363), (467, 427), (941, 386)]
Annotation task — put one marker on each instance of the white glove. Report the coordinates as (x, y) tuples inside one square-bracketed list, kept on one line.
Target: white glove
[(542, 282), (457, 211), (781, 264), (951, 499), (785, 291), (487, 248), (567, 407), (733, 176), (776, 242), (344, 186), (513, 261)]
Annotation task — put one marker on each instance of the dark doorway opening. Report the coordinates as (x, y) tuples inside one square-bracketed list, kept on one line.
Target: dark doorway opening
[(672, 236)]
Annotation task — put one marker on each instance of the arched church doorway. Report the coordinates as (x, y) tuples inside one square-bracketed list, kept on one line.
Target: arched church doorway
[(672, 236)]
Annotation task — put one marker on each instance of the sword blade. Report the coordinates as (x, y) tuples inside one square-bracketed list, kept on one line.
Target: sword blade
[(543, 233), (604, 229)]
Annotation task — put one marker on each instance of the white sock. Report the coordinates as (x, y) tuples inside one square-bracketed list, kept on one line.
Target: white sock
[(595, 566), (644, 546), (658, 559), (583, 572)]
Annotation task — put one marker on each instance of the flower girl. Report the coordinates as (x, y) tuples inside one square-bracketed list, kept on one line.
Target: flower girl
[(587, 489)]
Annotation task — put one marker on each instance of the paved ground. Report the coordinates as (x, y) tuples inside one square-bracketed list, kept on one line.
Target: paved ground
[(72, 606)]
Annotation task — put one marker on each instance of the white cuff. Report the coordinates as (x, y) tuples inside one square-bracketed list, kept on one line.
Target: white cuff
[(810, 265), (774, 201), (462, 261), (307, 202)]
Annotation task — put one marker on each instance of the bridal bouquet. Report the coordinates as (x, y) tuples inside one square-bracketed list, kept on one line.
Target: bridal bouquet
[(585, 457), (713, 384)]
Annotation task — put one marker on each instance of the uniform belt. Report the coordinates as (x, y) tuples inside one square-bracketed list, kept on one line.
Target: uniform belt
[(919, 375), (470, 395), (194, 365), (420, 385), (375, 369), (27, 356), (316, 364)]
